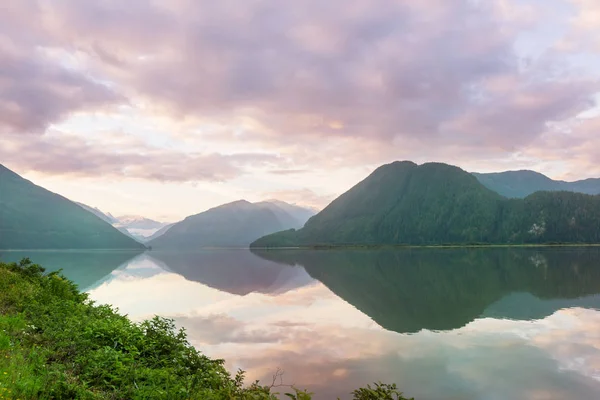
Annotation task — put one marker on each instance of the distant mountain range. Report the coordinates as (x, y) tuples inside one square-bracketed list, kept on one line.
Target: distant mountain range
[(399, 203), (32, 217), (520, 184), (433, 204), (234, 224), (96, 211), (140, 228)]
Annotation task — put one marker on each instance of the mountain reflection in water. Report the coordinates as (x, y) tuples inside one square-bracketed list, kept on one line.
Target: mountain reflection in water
[(469, 324), (443, 289)]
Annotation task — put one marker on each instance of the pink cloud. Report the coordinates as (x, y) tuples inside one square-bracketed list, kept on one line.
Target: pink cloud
[(326, 85)]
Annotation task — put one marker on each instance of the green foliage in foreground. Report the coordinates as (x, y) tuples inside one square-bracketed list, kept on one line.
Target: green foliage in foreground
[(57, 344)]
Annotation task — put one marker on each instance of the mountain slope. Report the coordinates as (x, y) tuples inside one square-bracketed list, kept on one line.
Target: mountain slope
[(159, 232), (404, 203), (290, 216), (94, 210), (234, 224), (520, 184), (138, 222), (298, 213), (32, 217)]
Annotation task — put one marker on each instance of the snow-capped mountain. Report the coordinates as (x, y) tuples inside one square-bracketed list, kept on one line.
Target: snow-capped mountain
[(138, 227)]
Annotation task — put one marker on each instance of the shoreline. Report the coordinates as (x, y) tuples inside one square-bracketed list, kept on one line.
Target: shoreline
[(428, 246)]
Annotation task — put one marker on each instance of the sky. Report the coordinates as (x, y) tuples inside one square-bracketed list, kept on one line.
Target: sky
[(165, 108)]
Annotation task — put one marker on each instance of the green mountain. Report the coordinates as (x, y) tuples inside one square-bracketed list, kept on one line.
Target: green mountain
[(234, 224), (406, 290), (429, 204), (520, 184), (32, 217)]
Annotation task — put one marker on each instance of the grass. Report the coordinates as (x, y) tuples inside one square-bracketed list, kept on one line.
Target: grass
[(57, 344)]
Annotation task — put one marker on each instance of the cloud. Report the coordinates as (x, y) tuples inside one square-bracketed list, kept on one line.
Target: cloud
[(576, 143), (37, 90), (59, 153), (473, 362), (218, 329), (292, 88), (288, 171), (304, 197), (583, 32), (382, 70)]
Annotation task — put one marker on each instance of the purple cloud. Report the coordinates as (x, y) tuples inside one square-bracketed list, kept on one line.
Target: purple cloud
[(379, 79)]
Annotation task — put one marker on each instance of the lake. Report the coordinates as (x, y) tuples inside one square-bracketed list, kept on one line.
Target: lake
[(492, 324)]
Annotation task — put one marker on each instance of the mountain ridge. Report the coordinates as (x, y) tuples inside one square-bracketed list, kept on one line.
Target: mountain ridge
[(32, 217), (436, 203), (522, 183), (234, 224)]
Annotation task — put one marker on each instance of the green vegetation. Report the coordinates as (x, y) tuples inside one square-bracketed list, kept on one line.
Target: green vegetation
[(84, 267), (32, 217), (520, 184), (437, 204), (406, 290), (234, 224), (56, 344)]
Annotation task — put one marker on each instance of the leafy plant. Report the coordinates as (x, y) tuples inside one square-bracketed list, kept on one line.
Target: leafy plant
[(57, 344)]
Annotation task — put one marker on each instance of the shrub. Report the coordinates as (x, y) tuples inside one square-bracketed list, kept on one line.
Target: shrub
[(57, 344)]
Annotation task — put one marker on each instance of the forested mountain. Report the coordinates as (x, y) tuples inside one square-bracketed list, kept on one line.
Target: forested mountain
[(406, 290), (32, 217), (234, 224), (404, 203), (520, 184)]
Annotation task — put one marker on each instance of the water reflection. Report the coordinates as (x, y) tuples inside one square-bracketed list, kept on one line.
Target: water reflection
[(443, 289), (319, 316), (83, 267), (234, 271)]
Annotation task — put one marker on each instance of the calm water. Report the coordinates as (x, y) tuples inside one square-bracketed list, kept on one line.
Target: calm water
[(491, 324)]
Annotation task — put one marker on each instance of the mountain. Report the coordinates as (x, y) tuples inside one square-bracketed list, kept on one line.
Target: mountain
[(94, 210), (289, 215), (159, 232), (234, 224), (433, 203), (138, 227), (138, 222), (32, 217), (230, 225), (407, 290), (520, 184), (297, 213)]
